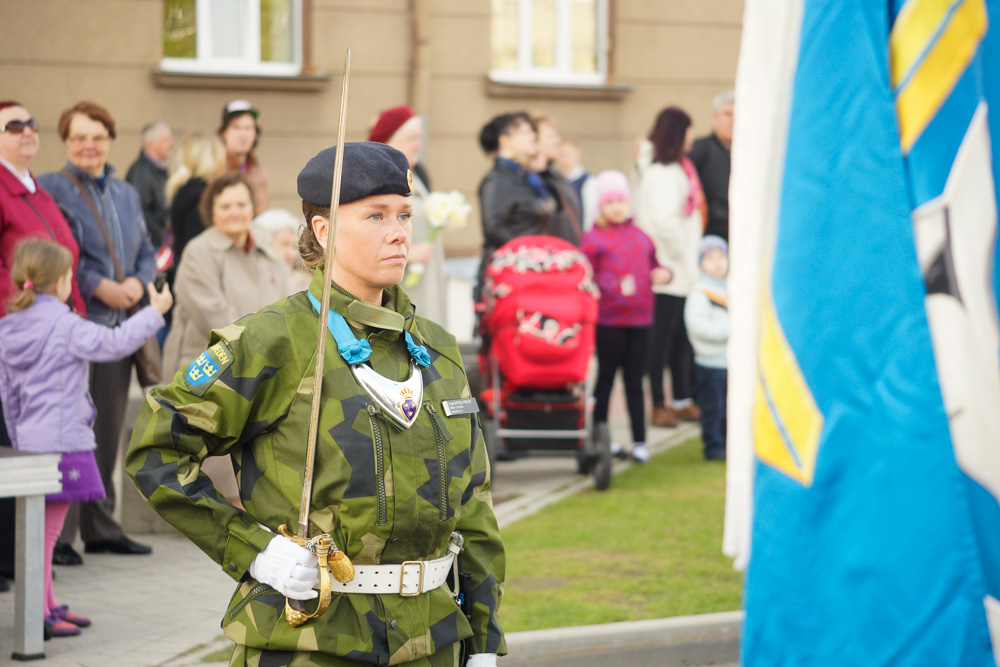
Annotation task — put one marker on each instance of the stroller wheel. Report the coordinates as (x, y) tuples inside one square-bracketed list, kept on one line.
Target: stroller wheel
[(584, 463), (602, 463)]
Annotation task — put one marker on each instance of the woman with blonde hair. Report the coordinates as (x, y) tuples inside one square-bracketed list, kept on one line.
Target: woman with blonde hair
[(203, 157)]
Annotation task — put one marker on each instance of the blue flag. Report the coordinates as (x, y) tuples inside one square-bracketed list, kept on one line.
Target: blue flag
[(867, 370)]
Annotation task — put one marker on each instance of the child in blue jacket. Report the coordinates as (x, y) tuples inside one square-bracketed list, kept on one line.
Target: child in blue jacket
[(706, 317)]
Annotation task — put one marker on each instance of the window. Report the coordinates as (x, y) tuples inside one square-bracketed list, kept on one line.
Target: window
[(262, 37), (550, 41)]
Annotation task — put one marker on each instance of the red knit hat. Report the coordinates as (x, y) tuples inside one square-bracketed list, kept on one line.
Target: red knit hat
[(388, 122)]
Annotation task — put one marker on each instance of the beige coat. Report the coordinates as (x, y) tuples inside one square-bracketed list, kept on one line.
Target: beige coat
[(218, 283)]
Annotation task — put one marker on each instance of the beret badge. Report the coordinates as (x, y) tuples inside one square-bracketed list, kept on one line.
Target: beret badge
[(409, 180)]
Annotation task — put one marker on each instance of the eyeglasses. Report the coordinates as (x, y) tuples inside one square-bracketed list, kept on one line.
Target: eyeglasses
[(76, 139), (17, 126)]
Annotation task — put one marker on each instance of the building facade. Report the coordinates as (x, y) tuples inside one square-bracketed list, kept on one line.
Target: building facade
[(601, 68)]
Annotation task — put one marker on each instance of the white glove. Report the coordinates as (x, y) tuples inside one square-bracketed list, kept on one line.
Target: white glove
[(287, 568), (482, 660)]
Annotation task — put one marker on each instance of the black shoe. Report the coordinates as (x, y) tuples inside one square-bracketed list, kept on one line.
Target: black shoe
[(64, 554), (4, 586), (122, 545)]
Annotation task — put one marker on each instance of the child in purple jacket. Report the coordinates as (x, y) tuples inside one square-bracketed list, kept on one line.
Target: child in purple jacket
[(625, 268), (44, 353)]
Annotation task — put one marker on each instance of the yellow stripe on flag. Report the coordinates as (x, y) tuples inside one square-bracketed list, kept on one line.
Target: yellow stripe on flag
[(915, 25), (935, 77), (786, 422)]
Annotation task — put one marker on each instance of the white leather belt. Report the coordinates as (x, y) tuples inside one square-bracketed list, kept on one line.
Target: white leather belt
[(407, 579)]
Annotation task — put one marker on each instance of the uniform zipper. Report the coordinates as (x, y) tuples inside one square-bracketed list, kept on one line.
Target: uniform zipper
[(254, 592), (439, 437), (379, 464)]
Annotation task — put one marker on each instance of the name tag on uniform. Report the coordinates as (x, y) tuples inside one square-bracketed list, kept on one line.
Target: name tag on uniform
[(460, 406)]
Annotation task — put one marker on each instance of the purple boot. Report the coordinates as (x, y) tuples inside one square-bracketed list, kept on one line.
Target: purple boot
[(61, 628), (63, 612)]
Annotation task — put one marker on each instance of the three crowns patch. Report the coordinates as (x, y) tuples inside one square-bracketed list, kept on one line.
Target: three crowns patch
[(207, 368)]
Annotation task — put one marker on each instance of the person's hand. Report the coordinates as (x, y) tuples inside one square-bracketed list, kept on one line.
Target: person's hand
[(133, 287), (482, 660), (287, 568), (161, 300), (112, 294), (661, 276), (420, 253)]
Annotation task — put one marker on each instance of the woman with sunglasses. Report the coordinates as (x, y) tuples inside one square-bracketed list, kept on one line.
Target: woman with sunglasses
[(117, 261), (26, 211)]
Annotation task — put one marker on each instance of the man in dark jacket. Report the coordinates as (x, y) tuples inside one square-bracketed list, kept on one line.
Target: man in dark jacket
[(711, 158), (148, 174)]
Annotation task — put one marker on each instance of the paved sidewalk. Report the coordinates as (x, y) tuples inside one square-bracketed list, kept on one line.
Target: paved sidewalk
[(144, 614)]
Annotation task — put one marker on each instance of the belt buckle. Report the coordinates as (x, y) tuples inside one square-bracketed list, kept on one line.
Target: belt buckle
[(420, 580)]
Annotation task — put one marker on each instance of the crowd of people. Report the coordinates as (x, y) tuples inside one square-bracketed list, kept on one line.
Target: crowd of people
[(186, 245), (646, 253)]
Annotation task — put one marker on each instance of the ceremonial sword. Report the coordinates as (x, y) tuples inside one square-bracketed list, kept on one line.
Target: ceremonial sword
[(324, 549)]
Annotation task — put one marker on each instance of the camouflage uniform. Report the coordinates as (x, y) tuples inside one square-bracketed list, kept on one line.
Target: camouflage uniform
[(385, 495)]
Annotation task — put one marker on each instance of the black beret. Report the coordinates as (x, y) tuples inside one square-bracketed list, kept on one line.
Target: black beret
[(370, 168)]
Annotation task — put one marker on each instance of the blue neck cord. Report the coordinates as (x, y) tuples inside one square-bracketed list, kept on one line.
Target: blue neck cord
[(356, 351)]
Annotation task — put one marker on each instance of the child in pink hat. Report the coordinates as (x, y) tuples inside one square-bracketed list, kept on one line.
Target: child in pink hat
[(625, 268)]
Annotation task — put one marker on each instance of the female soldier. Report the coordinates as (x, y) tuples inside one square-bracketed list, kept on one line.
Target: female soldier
[(400, 462)]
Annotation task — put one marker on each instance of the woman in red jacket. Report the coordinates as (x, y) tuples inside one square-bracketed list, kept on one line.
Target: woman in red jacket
[(26, 211)]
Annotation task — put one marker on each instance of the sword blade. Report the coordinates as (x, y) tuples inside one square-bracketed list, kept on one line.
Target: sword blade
[(338, 169)]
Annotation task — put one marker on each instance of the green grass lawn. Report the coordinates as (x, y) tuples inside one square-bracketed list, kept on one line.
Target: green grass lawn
[(649, 547)]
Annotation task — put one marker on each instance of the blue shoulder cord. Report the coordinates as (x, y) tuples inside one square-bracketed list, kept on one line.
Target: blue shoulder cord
[(356, 351)]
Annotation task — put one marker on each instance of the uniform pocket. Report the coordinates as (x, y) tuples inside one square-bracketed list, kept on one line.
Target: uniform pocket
[(254, 612)]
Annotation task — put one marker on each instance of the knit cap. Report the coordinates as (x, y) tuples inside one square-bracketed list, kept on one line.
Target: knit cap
[(712, 242), (388, 122), (611, 185)]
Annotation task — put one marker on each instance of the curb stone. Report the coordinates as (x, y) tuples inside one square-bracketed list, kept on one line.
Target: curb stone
[(704, 639)]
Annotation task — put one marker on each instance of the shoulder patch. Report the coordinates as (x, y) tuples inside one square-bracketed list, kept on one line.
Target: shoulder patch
[(207, 367)]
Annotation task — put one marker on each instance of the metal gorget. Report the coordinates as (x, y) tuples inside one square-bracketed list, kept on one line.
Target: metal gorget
[(399, 401)]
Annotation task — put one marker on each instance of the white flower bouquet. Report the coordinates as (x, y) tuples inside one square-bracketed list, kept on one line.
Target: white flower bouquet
[(443, 210)]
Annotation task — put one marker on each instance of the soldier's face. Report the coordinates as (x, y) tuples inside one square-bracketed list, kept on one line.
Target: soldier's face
[(372, 244)]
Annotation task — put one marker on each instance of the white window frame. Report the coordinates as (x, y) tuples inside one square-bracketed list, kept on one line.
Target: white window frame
[(562, 72), (248, 65)]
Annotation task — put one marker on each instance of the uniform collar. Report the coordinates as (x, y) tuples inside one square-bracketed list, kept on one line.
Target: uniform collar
[(385, 318)]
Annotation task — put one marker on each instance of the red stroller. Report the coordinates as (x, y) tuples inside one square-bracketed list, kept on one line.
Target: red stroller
[(538, 312)]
